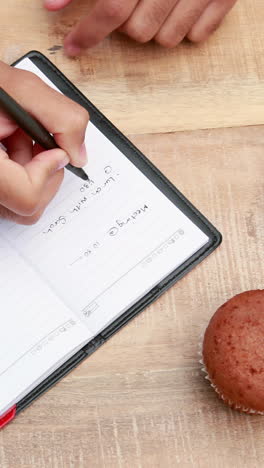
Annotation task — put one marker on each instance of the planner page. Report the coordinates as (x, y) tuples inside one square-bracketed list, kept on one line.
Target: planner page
[(103, 244), (37, 330)]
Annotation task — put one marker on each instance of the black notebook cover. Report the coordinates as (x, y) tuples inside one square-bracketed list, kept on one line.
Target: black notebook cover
[(163, 184)]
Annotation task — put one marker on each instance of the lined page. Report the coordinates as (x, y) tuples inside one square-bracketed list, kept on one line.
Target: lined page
[(103, 244), (37, 330)]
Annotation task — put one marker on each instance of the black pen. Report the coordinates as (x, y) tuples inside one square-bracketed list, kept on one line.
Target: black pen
[(33, 128)]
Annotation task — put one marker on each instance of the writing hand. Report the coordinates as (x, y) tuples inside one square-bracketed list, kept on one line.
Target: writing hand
[(168, 22), (29, 176)]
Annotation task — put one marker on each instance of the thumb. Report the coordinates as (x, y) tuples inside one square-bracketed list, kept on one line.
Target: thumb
[(22, 187), (54, 5), (43, 166)]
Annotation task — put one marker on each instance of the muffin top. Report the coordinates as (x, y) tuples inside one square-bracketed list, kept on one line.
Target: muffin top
[(233, 351)]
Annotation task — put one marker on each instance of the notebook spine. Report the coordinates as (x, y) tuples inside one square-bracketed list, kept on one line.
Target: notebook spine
[(93, 345)]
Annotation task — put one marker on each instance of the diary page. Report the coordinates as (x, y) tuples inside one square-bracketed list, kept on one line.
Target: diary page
[(37, 330), (103, 244)]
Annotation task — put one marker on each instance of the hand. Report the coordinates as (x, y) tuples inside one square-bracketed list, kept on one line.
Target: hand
[(168, 22), (29, 176)]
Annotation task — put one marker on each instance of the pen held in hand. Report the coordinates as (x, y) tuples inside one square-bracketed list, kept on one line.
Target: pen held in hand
[(33, 128)]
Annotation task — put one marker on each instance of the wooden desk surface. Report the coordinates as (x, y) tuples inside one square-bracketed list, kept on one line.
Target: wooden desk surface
[(141, 401)]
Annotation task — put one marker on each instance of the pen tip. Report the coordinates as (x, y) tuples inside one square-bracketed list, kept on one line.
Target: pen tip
[(77, 171), (85, 176)]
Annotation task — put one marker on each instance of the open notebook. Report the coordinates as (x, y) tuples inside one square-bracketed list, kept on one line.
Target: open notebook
[(103, 248)]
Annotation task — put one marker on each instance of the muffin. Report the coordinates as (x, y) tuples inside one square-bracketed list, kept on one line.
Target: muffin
[(233, 352)]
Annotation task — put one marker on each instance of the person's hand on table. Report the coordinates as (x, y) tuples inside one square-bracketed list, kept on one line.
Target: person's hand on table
[(168, 22), (29, 176)]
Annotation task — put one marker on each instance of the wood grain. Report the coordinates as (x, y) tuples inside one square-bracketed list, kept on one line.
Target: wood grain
[(141, 400), (218, 84)]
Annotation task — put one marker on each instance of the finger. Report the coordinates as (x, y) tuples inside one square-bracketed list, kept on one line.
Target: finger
[(19, 147), (37, 149), (7, 126), (62, 117), (5, 213), (210, 20), (54, 5), (52, 189), (105, 17), (22, 188), (180, 21), (147, 19)]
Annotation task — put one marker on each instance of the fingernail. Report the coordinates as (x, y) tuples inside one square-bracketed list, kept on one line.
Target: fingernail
[(72, 50), (83, 154), (63, 163)]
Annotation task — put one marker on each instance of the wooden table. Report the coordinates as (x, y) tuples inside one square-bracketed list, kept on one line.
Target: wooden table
[(196, 111)]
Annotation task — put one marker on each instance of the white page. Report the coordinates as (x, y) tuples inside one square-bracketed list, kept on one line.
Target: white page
[(37, 330), (103, 244)]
